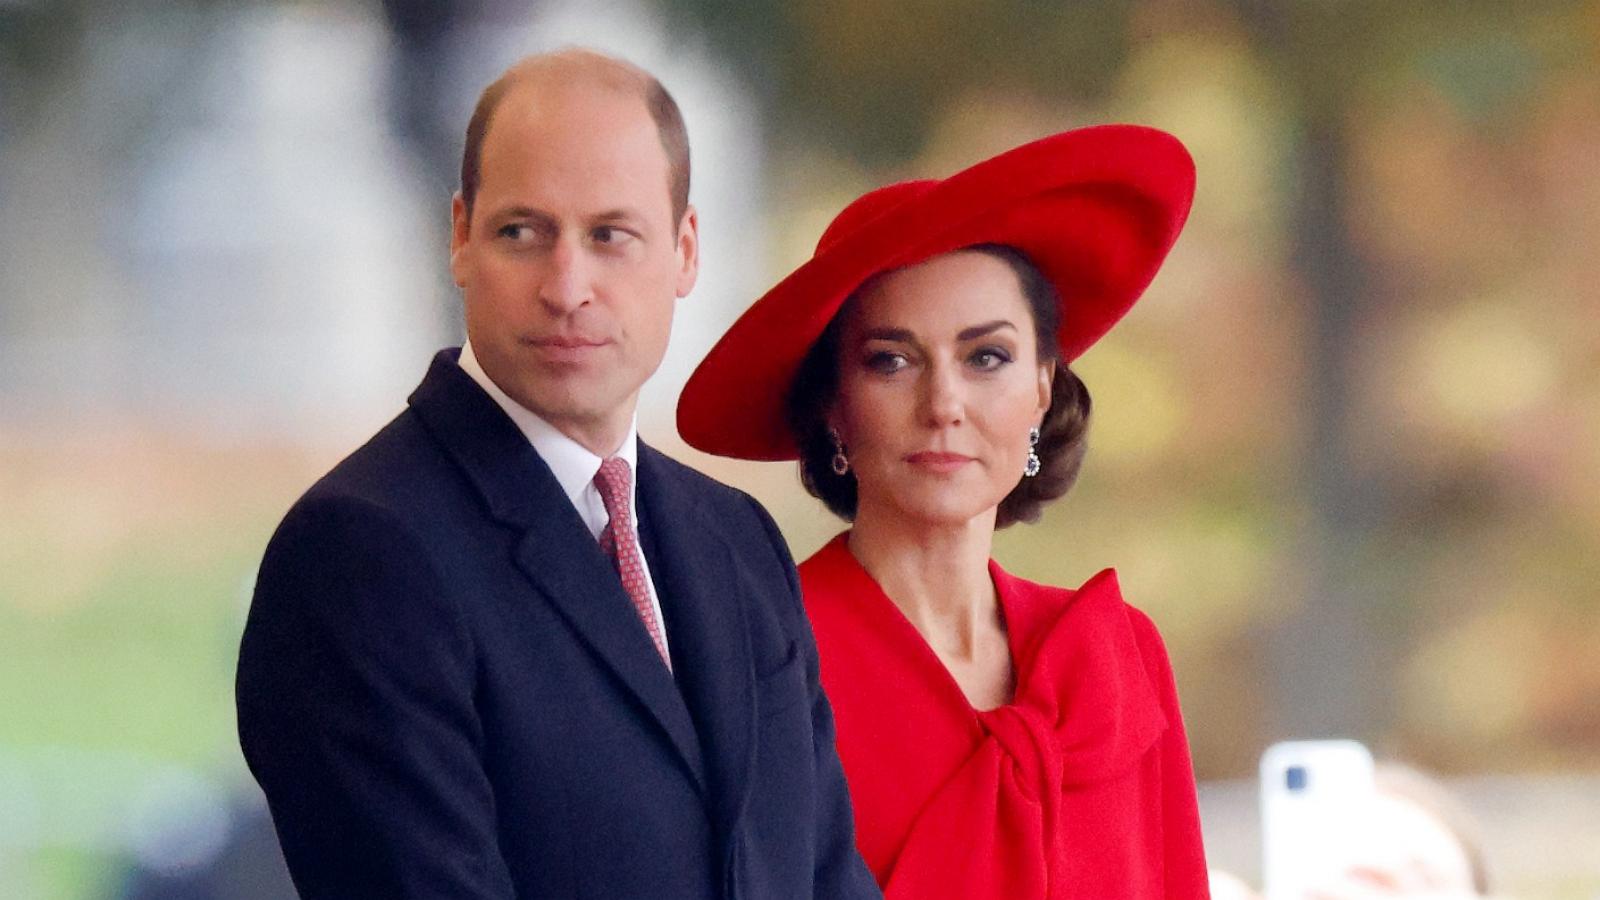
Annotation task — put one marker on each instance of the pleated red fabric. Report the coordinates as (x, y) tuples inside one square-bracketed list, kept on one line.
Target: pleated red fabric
[(1081, 787)]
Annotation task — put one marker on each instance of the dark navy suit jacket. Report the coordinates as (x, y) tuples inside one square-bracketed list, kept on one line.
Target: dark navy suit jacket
[(445, 692)]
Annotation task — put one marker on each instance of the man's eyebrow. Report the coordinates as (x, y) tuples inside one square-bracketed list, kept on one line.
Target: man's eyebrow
[(620, 214), (977, 331), (524, 212)]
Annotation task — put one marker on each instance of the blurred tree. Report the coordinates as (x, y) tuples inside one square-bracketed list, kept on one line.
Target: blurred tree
[(870, 78), (1334, 661)]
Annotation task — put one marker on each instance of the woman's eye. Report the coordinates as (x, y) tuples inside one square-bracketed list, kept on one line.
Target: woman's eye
[(990, 358), (886, 363)]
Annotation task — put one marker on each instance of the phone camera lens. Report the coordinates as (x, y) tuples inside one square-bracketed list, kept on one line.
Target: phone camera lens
[(1295, 778)]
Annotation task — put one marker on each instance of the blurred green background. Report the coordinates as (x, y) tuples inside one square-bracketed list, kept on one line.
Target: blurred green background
[(1346, 450)]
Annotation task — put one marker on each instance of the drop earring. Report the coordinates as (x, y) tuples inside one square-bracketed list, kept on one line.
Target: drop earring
[(1031, 467), (840, 462)]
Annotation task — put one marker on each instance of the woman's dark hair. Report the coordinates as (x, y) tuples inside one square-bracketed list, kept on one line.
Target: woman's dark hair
[(1062, 434)]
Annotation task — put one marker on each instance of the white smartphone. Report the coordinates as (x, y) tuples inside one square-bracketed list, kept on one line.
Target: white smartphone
[(1315, 796)]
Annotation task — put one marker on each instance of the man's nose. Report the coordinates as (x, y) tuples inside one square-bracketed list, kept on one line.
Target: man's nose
[(943, 401), (566, 282)]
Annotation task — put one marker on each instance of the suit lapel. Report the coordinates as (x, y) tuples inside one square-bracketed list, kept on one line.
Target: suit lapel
[(556, 552), (701, 586), (581, 583)]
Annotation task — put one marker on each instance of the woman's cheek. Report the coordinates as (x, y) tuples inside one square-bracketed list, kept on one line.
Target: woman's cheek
[(872, 413)]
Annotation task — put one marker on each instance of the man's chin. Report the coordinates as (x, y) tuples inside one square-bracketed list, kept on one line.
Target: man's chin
[(583, 403)]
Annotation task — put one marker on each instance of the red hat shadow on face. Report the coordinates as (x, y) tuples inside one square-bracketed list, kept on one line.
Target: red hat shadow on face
[(1096, 209)]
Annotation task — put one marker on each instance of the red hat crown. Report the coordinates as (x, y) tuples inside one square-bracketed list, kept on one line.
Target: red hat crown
[(1095, 209), (868, 207)]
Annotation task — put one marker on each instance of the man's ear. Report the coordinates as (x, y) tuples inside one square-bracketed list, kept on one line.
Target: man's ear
[(460, 224), (688, 251)]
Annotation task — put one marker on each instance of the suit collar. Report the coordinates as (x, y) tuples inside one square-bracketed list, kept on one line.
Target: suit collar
[(499, 462), (555, 551), (573, 464)]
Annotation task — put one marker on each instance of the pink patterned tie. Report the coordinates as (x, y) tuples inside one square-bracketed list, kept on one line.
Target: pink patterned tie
[(621, 543)]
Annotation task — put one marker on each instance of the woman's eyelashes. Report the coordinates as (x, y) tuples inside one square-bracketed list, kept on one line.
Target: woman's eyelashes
[(886, 362), (988, 358)]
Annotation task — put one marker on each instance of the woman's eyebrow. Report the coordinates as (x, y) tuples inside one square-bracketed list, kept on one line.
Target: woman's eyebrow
[(902, 335), (977, 331)]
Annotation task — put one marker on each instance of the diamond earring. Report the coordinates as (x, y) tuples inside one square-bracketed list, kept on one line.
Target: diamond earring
[(1031, 468), (840, 462)]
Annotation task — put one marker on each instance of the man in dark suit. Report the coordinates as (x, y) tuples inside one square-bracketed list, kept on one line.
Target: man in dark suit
[(478, 662)]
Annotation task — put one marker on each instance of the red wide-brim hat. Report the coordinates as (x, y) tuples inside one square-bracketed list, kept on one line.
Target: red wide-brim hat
[(1096, 209)]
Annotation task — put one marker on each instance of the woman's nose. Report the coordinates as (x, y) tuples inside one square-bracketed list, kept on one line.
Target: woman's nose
[(943, 400)]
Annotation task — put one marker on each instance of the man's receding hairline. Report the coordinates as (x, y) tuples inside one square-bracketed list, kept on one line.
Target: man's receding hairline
[(534, 73), (580, 62), (574, 65)]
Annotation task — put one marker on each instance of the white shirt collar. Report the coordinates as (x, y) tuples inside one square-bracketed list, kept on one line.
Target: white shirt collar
[(571, 462)]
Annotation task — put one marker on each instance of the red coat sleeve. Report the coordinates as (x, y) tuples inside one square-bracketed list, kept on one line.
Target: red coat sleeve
[(1183, 849)]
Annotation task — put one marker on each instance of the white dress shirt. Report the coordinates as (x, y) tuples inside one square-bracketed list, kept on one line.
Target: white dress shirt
[(574, 467)]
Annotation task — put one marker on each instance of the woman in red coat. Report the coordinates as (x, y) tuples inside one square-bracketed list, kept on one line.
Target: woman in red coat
[(1001, 738)]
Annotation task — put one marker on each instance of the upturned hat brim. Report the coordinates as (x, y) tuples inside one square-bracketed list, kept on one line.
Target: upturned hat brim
[(1096, 209)]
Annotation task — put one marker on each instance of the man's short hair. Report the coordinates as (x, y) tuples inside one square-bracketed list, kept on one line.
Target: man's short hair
[(583, 63)]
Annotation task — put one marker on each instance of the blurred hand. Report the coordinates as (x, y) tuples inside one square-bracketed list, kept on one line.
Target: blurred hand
[(1413, 878)]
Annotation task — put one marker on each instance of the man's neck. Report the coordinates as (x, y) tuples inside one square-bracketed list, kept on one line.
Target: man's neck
[(603, 440), (601, 437)]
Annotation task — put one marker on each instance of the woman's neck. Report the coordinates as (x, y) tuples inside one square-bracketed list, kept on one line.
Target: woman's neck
[(937, 575)]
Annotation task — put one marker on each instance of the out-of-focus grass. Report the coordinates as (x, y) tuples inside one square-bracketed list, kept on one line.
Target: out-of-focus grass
[(58, 873), (140, 665), (125, 566)]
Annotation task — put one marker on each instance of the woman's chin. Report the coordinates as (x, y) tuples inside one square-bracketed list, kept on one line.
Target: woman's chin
[(930, 510)]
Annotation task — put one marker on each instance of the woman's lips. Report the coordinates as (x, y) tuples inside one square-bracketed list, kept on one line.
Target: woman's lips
[(935, 461)]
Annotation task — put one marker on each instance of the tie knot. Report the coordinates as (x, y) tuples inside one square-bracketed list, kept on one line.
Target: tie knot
[(613, 482)]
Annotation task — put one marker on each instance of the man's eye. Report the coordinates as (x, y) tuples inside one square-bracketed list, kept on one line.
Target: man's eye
[(610, 234), (517, 232)]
